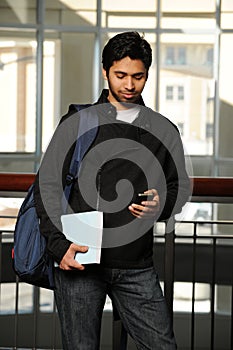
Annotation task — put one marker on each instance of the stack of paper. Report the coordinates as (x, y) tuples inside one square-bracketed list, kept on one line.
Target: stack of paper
[(85, 229)]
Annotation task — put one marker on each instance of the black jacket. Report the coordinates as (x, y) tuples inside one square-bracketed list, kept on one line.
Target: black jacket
[(124, 159)]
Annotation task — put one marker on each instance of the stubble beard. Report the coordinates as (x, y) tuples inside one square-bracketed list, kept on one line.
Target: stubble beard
[(123, 102)]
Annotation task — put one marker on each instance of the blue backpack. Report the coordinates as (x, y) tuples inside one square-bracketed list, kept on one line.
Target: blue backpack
[(31, 262)]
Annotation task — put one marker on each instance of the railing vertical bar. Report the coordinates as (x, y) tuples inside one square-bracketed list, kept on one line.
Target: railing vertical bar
[(212, 307), (36, 313), (53, 325), (119, 336), (193, 287), (169, 264), (16, 313), (232, 312), (0, 257)]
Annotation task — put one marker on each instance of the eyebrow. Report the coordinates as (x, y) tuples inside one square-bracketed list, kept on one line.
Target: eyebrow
[(124, 73)]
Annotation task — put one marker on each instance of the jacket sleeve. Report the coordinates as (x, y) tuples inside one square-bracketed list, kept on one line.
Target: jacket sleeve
[(178, 185), (49, 184)]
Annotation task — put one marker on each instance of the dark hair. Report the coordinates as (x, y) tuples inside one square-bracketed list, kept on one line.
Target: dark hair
[(126, 44)]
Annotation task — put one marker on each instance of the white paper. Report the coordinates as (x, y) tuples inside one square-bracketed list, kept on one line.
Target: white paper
[(85, 229)]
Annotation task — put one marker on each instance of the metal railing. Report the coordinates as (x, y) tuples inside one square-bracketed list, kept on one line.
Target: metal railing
[(191, 252)]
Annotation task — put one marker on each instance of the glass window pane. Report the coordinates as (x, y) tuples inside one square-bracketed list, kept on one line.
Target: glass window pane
[(25, 299), (122, 14), (181, 55), (21, 165), (227, 14), (187, 89), (188, 14), (18, 12), (77, 52), (169, 92), (180, 92), (226, 98), (71, 12), (68, 63), (7, 298), (149, 92), (170, 55), (46, 300), (51, 88), (17, 90)]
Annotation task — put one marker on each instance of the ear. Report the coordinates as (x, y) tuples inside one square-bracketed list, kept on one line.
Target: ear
[(104, 74)]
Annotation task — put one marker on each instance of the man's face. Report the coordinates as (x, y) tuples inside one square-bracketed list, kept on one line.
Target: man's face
[(126, 80)]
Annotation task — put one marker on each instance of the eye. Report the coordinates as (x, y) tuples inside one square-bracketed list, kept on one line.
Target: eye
[(120, 76), (138, 77)]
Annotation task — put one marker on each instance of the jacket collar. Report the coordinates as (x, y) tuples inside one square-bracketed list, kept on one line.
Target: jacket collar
[(110, 110)]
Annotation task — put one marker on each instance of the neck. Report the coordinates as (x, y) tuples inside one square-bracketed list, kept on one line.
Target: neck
[(120, 106)]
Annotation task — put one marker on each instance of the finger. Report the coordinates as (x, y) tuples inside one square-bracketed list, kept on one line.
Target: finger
[(151, 209), (147, 206), (148, 214), (152, 191), (78, 248), (135, 209), (72, 265), (68, 262), (152, 203), (140, 211), (76, 265)]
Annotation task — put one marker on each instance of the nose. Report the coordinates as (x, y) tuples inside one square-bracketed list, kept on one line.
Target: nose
[(129, 83)]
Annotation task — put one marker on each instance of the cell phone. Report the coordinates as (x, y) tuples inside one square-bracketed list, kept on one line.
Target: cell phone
[(143, 197)]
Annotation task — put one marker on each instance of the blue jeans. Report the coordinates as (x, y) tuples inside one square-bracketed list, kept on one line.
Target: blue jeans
[(136, 294)]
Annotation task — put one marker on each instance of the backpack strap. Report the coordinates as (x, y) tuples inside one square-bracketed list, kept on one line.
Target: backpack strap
[(87, 130)]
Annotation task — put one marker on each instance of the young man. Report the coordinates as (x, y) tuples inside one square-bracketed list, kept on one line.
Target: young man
[(135, 150)]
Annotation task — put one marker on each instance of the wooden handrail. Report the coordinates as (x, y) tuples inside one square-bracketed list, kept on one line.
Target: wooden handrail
[(212, 186), (15, 182), (202, 186)]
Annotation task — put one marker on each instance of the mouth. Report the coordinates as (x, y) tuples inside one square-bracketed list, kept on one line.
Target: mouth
[(128, 95)]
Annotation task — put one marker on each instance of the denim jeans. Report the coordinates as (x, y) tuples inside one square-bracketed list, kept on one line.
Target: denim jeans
[(136, 295)]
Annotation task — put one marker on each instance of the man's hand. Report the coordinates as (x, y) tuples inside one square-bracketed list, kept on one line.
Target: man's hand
[(68, 262), (147, 209)]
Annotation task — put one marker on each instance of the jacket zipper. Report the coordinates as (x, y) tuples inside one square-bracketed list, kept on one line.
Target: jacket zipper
[(98, 188)]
